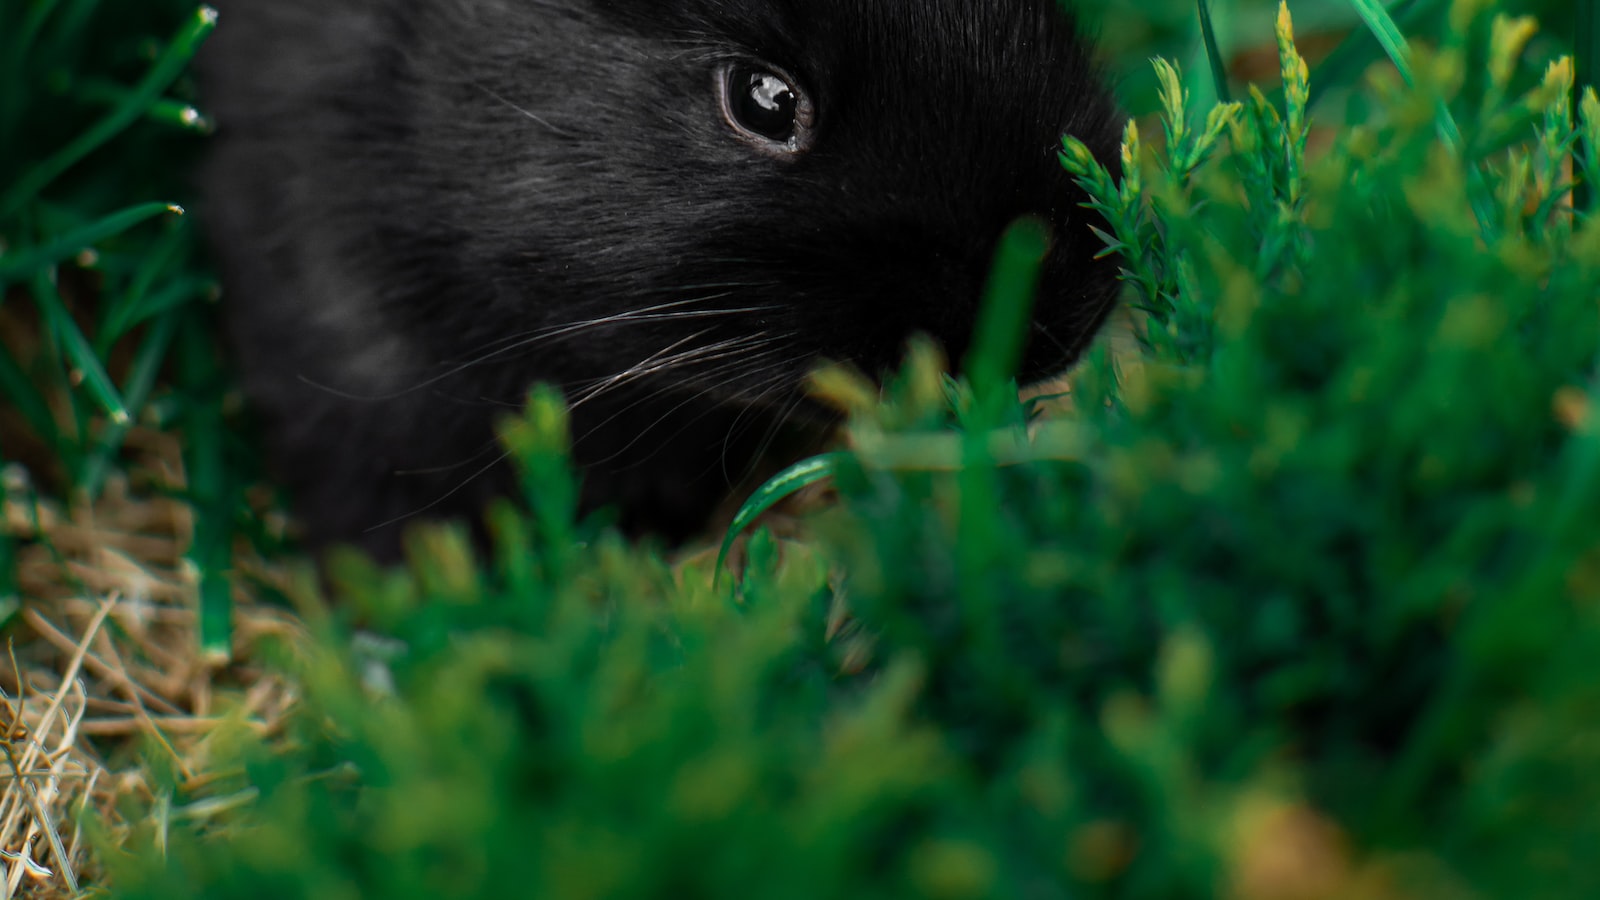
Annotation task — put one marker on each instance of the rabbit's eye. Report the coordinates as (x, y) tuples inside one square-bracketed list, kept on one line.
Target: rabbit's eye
[(766, 108), (763, 103)]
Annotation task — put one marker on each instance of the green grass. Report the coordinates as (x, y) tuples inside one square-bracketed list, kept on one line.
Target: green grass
[(1310, 576), (98, 107)]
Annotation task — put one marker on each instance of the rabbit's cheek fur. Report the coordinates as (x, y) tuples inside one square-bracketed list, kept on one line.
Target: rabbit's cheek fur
[(422, 207)]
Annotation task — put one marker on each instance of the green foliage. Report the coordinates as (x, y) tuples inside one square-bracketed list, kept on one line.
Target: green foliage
[(1219, 66), (93, 111), (1312, 577), (1586, 33)]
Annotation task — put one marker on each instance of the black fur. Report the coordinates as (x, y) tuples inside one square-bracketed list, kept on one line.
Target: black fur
[(410, 198)]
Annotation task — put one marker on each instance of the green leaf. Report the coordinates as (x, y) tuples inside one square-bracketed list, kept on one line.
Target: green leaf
[(1586, 53), (125, 317), (29, 31), (1342, 67), (164, 111), (1002, 328), (784, 484), (136, 392), (10, 591), (211, 488), (17, 388), (76, 349), (1219, 66), (1389, 36)]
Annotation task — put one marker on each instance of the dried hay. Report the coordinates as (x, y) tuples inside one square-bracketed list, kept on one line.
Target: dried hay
[(108, 660)]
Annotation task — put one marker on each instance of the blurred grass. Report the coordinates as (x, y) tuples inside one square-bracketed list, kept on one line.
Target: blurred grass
[(1586, 51), (1296, 601)]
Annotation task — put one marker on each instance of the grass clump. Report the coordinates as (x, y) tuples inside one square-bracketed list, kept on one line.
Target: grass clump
[(1296, 599)]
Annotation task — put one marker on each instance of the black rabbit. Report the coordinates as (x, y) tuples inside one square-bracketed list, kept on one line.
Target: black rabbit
[(671, 208)]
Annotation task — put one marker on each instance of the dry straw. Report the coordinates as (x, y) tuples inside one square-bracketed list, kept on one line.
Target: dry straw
[(109, 664)]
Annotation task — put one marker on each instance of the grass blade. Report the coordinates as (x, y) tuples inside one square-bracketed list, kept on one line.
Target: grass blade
[(1586, 49), (135, 393), (173, 113), (86, 367), (125, 317), (65, 28), (1344, 65), (1389, 36), (1219, 69), (16, 387), (1393, 41), (167, 68), (25, 262), (210, 488), (800, 475), (1002, 327), (161, 262), (1586, 53), (10, 590), (31, 26)]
